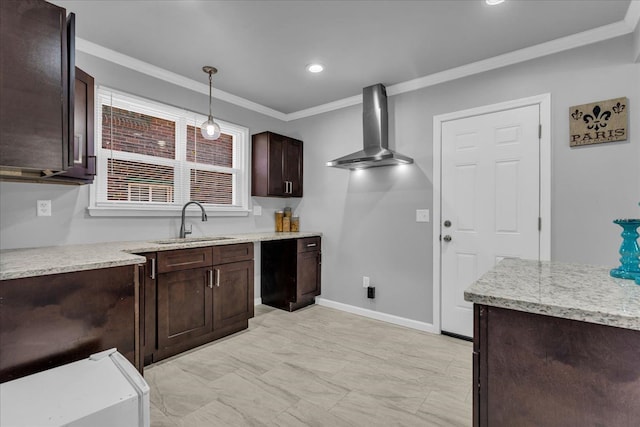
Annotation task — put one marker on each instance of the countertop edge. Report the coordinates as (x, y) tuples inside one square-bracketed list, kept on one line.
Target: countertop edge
[(590, 316), (116, 254)]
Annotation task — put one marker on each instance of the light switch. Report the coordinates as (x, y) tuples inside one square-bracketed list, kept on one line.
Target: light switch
[(422, 215), (44, 207), (257, 210)]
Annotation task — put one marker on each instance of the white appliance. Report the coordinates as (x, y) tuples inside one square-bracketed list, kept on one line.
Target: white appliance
[(104, 390)]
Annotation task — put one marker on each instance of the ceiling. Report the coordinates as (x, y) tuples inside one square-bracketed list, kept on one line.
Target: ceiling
[(261, 48)]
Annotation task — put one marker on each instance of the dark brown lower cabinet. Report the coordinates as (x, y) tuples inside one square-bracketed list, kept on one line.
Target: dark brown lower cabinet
[(290, 275), (232, 294), (194, 296), (184, 306), (536, 370), (48, 321)]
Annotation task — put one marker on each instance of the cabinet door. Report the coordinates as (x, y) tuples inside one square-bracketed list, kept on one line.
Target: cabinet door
[(232, 293), (184, 306), (293, 166), (84, 160), (276, 181), (308, 275), (34, 66), (52, 320)]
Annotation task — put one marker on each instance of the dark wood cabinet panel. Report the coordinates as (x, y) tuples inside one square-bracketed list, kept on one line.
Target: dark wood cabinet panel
[(276, 166), (198, 295), (276, 174), (184, 259), (293, 166), (233, 294), (537, 370), (308, 275), (83, 162), (290, 275), (36, 69), (48, 321), (184, 306), (232, 253)]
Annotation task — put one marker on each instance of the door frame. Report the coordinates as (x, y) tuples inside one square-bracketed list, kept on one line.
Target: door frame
[(544, 102)]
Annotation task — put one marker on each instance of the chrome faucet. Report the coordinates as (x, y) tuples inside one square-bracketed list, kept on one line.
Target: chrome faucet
[(183, 228)]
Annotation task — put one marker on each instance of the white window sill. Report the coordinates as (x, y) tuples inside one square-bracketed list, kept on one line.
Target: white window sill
[(164, 212)]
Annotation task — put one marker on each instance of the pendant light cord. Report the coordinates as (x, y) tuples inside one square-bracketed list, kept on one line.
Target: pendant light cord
[(210, 85)]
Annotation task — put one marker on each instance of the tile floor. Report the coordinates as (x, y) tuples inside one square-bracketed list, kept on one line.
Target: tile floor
[(316, 367)]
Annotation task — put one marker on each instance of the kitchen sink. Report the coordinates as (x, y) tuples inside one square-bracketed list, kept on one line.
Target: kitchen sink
[(189, 240)]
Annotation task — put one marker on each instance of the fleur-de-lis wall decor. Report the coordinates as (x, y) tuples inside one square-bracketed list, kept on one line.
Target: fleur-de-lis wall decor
[(598, 122), (576, 115), (618, 108)]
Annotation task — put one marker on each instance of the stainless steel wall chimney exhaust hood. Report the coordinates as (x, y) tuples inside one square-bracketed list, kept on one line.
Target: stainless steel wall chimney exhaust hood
[(376, 135)]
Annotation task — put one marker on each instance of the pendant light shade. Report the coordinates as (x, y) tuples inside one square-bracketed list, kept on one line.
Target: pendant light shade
[(210, 129)]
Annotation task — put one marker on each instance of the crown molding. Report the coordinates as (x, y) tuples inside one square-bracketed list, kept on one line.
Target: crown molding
[(632, 17), (549, 48), (584, 38), (102, 52), (324, 108), (573, 41)]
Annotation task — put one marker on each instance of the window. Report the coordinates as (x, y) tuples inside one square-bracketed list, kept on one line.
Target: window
[(152, 159)]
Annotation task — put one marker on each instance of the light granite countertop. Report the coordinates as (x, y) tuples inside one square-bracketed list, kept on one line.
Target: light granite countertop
[(30, 262), (571, 291)]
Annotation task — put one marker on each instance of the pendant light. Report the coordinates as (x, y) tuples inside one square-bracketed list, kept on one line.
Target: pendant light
[(210, 129)]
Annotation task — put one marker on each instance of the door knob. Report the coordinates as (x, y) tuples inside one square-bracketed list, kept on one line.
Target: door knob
[(447, 238), (447, 223)]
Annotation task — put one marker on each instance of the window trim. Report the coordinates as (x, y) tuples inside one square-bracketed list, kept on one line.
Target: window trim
[(240, 168)]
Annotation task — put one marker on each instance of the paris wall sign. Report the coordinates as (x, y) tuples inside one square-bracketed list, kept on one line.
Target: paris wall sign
[(598, 122)]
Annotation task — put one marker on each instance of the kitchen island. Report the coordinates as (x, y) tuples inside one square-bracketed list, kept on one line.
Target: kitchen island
[(555, 344)]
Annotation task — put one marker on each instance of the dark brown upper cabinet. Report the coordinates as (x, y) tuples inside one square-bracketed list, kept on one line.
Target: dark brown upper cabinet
[(37, 65), (83, 168), (276, 169)]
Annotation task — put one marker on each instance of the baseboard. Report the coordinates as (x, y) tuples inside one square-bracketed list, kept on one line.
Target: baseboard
[(257, 301), (389, 318)]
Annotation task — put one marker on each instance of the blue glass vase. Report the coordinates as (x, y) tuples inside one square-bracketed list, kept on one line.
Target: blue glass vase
[(629, 251)]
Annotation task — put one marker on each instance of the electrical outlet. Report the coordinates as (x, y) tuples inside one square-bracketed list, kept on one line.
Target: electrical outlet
[(422, 215), (257, 210), (43, 207), (371, 292), (365, 281)]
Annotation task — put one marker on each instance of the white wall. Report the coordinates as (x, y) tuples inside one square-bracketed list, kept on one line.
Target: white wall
[(636, 44), (368, 217)]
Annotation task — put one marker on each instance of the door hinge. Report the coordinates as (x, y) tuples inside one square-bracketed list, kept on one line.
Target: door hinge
[(539, 224), (540, 131)]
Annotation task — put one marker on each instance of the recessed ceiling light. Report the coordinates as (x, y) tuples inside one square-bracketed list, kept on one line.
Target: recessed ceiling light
[(315, 68), (493, 2)]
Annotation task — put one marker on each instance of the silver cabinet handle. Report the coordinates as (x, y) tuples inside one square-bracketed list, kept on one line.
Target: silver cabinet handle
[(153, 268), (210, 274), (312, 245), (217, 277)]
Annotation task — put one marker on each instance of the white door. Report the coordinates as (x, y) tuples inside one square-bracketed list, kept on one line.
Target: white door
[(490, 203)]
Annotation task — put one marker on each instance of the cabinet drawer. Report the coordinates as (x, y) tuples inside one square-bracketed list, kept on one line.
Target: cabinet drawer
[(232, 253), (183, 259), (309, 244)]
